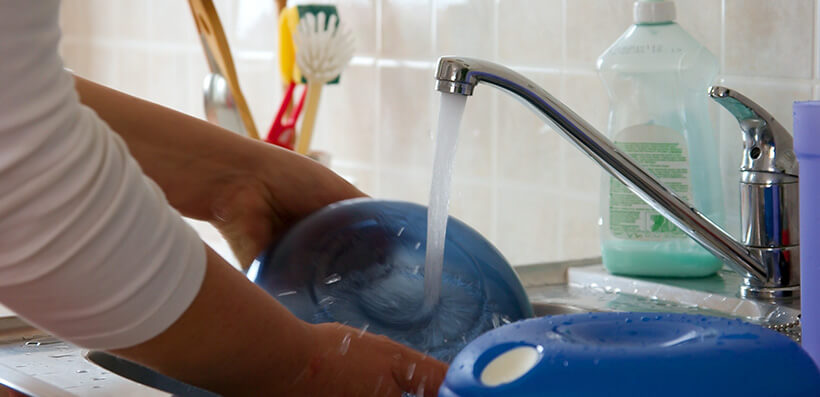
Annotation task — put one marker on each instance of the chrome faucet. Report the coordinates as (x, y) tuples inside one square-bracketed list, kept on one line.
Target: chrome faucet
[(768, 257)]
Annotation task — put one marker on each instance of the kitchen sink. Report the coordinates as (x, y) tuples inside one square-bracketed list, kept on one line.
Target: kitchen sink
[(38, 364), (145, 375), (541, 309)]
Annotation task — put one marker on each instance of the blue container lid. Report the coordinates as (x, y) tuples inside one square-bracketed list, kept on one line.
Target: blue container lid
[(631, 354)]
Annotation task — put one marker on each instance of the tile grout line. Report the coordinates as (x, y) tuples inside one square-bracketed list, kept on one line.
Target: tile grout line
[(558, 226), (494, 139), (722, 37), (377, 138), (816, 46)]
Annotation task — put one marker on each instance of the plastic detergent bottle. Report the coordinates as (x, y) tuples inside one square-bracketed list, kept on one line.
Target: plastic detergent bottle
[(807, 149), (657, 77)]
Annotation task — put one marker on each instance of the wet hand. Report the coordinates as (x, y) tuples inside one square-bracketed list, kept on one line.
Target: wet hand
[(345, 361), (278, 189)]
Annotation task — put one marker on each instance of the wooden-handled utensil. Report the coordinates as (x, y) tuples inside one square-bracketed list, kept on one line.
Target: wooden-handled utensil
[(220, 61)]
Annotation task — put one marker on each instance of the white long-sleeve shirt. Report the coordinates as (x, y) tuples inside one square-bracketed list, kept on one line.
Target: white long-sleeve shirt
[(89, 248)]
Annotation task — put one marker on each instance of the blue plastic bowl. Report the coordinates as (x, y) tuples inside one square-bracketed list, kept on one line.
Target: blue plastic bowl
[(633, 354), (361, 262)]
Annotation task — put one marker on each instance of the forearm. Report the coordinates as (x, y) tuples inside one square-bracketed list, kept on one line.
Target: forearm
[(190, 159), (252, 191), (233, 339)]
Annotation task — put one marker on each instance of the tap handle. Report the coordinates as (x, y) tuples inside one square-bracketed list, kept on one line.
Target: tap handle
[(767, 146)]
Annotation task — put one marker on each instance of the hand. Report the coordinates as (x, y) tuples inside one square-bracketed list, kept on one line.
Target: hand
[(279, 189), (351, 362)]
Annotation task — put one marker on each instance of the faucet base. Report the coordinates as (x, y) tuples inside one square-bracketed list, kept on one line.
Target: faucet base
[(770, 293)]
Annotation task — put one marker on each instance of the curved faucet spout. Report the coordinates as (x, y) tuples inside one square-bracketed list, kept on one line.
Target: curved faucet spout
[(458, 75)]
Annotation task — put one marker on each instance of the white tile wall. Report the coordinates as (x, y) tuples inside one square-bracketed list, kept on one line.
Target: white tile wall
[(516, 181)]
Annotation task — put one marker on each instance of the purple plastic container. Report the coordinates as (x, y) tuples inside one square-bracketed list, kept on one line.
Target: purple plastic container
[(807, 148)]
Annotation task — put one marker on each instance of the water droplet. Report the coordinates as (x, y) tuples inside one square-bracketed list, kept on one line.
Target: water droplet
[(345, 346), (96, 387), (420, 390), (61, 355), (97, 379), (629, 320), (19, 366), (411, 369), (363, 330), (286, 293), (400, 232), (82, 371), (333, 278), (326, 301), (418, 245), (43, 342), (644, 319), (565, 363), (596, 361)]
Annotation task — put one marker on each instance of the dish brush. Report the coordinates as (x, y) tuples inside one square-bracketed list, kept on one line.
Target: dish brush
[(324, 47)]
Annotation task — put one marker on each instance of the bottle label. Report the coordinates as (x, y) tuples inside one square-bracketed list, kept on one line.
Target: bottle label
[(661, 151)]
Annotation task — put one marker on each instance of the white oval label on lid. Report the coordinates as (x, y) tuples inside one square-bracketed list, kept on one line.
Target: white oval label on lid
[(510, 366)]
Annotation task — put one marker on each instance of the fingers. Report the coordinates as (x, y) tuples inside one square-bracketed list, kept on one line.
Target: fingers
[(385, 367), (246, 221), (417, 373)]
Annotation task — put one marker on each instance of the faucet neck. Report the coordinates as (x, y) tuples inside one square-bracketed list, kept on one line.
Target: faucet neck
[(772, 275)]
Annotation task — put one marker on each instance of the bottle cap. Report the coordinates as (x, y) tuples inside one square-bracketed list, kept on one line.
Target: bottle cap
[(654, 11), (807, 128)]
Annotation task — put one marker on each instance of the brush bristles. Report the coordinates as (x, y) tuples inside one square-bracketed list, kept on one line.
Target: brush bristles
[(324, 47)]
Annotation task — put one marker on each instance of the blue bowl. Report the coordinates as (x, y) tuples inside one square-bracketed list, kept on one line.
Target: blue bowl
[(361, 262), (631, 354)]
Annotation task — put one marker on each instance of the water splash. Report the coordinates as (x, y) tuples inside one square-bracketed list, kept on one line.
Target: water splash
[(333, 278), (363, 330), (411, 369), (345, 345)]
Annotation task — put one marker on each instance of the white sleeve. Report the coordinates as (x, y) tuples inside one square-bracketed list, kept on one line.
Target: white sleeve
[(89, 248)]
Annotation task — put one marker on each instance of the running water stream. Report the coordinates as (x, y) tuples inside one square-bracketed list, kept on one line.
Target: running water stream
[(450, 112)]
